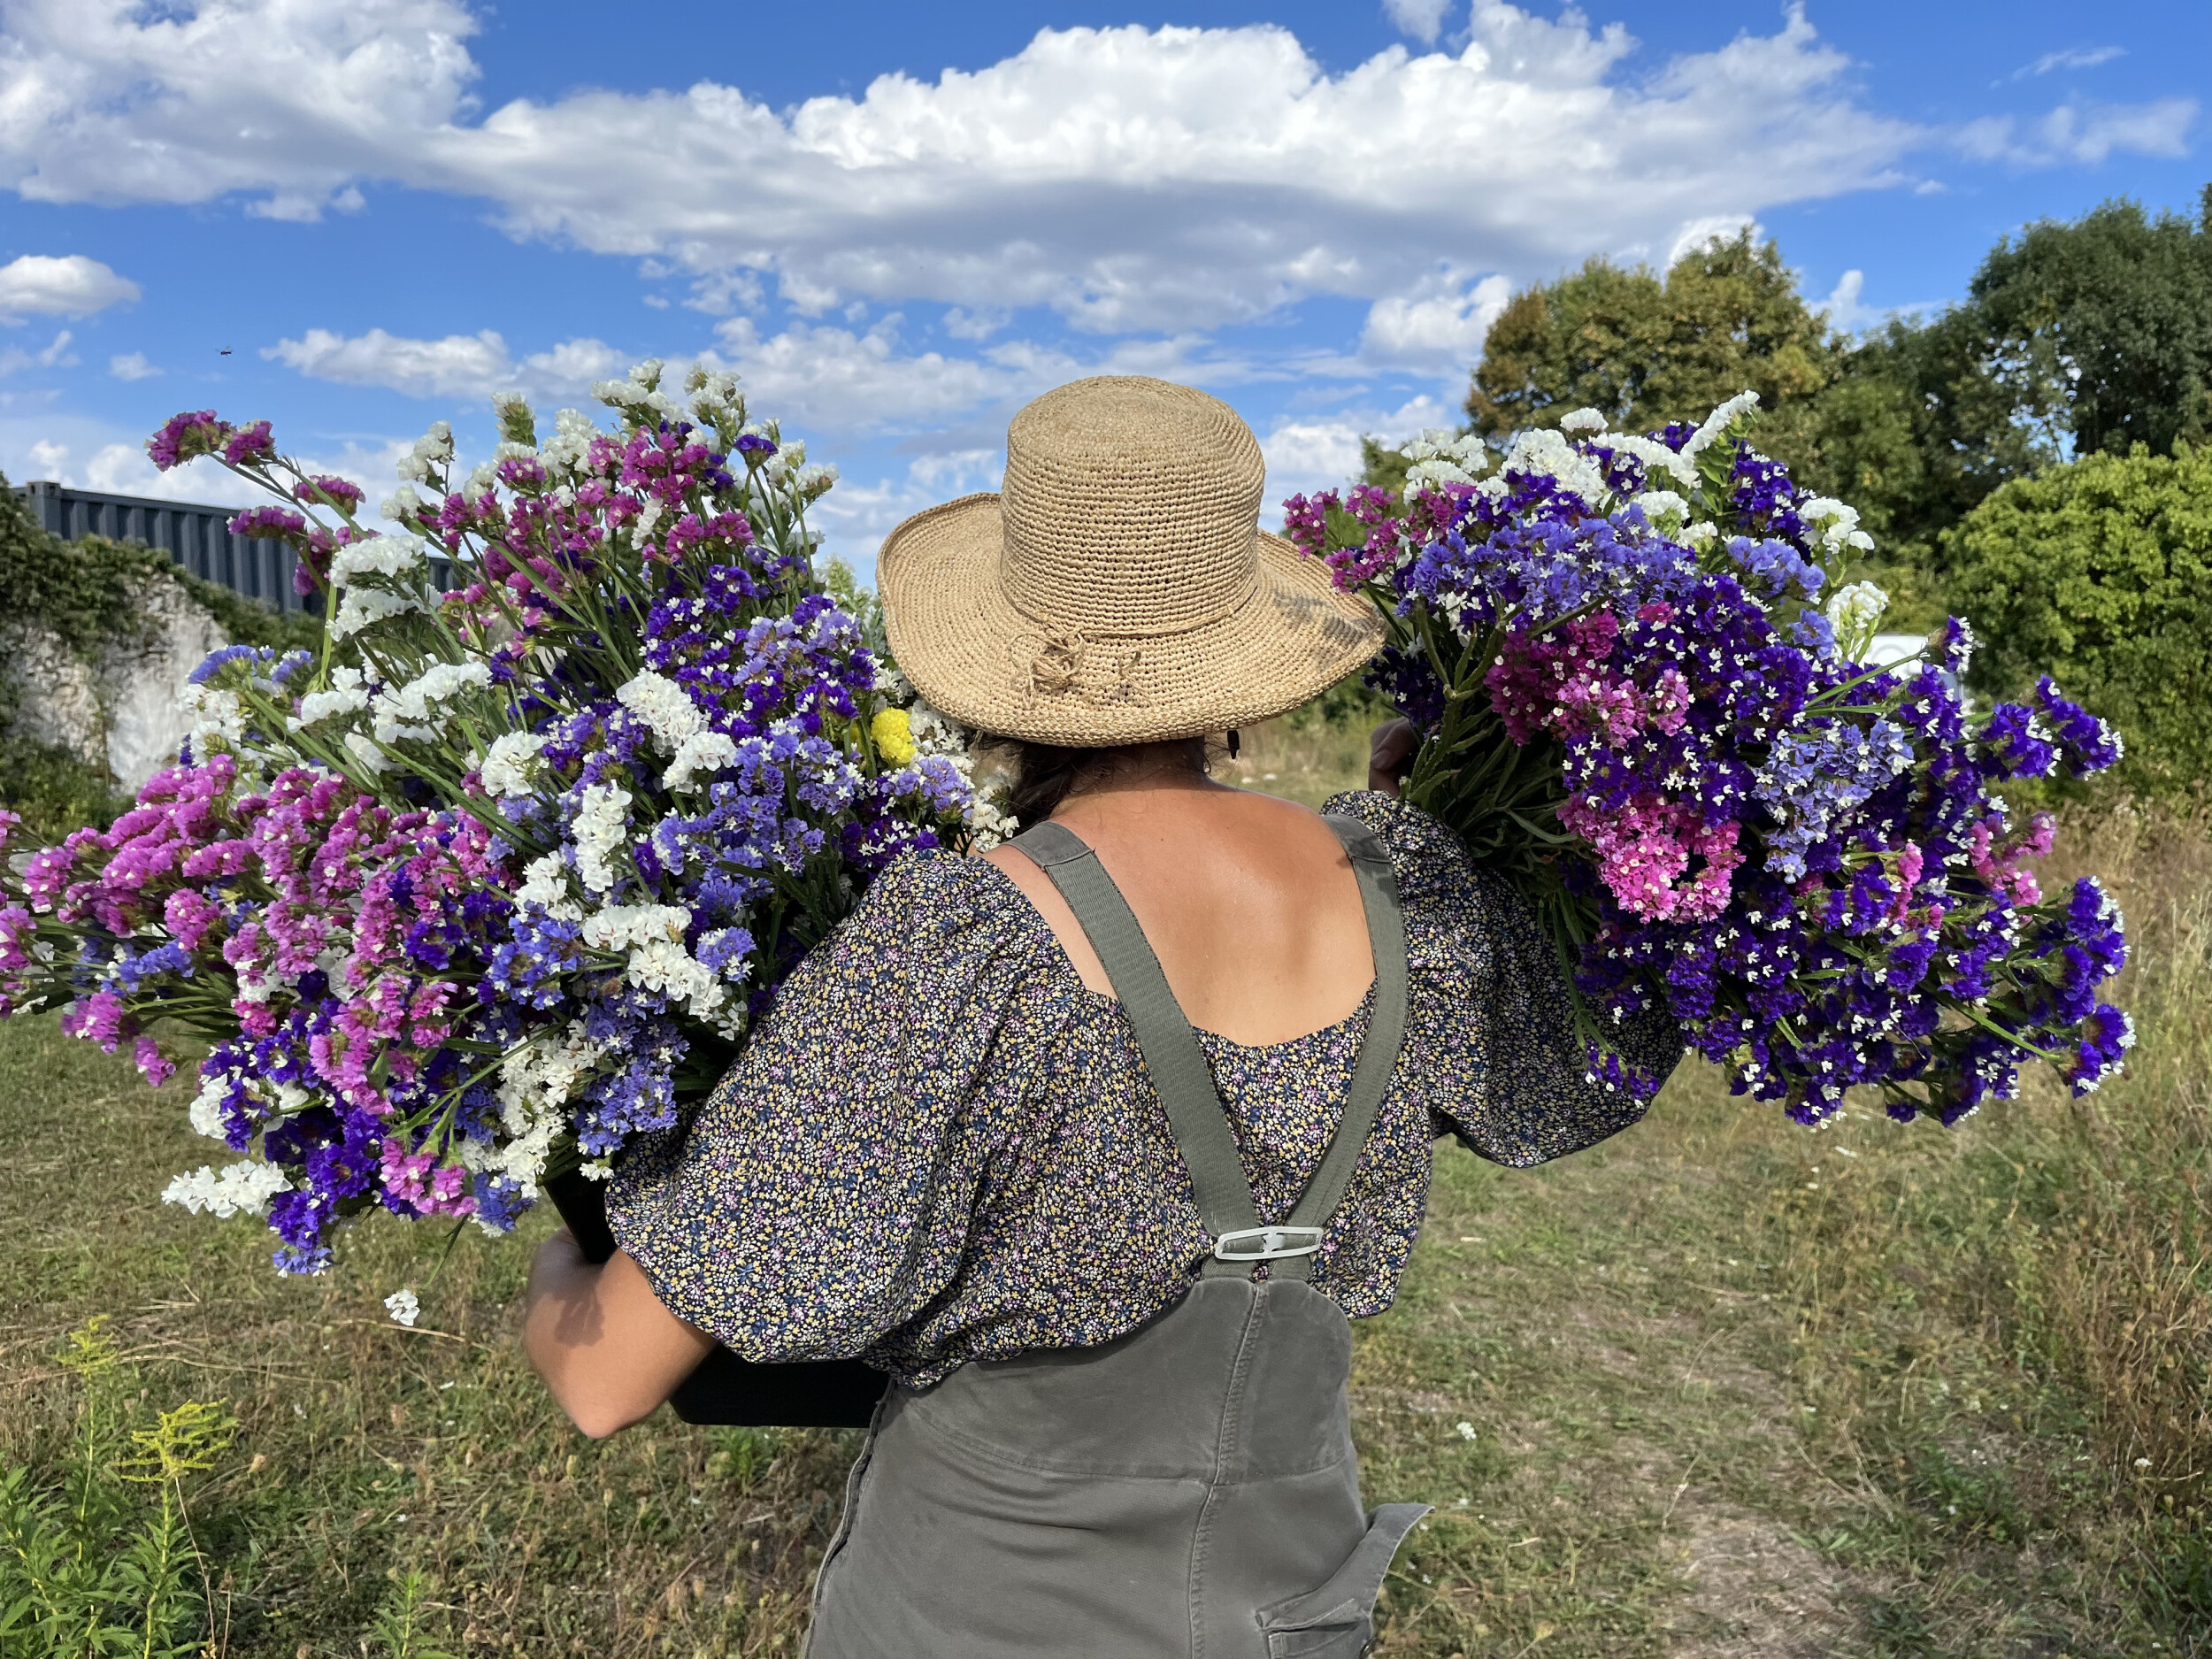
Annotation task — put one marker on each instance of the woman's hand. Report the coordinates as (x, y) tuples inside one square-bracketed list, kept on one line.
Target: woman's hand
[(1389, 753), (605, 1345)]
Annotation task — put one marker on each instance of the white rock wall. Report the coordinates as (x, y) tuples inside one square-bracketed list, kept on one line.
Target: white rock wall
[(127, 709)]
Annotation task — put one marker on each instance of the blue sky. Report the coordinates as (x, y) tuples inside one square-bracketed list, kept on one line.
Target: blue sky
[(898, 222)]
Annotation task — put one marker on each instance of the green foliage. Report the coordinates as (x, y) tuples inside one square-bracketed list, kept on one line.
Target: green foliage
[(2104, 326), (1644, 350), (1349, 703), (397, 1631), (1916, 432), (2100, 572), (103, 1562)]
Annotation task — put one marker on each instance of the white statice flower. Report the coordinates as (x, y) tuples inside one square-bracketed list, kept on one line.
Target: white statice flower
[(1540, 450), (1662, 507), (814, 479), (347, 694), (220, 717), (1655, 456), (408, 712), (244, 1188), (512, 405), (652, 936), (697, 759), (1742, 403), (404, 1307), (647, 515), (1856, 612), (545, 884), (207, 1108), (665, 707), (572, 433), (362, 608), (509, 766), (433, 448), (1441, 455), (1582, 420), (363, 748), (536, 1082), (377, 556), (1838, 524), (679, 728), (1697, 534), (596, 1170), (640, 394), (601, 824), (402, 505)]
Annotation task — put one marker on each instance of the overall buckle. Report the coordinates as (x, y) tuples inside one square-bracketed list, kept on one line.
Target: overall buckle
[(1266, 1244)]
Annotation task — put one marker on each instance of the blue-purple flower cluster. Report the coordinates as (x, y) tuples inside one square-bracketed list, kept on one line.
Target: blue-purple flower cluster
[(1799, 856)]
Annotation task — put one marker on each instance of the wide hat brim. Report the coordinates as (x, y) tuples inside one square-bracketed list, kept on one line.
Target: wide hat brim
[(975, 655)]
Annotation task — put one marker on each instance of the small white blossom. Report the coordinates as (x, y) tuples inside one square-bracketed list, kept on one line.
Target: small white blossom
[(244, 1188), (1715, 424), (405, 1307), (601, 825), (509, 764), (1582, 420)]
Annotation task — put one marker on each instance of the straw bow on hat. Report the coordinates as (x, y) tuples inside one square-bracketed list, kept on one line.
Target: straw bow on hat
[(1119, 590)]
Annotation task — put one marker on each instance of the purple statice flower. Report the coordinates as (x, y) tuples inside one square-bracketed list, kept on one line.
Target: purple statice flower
[(187, 436), (2089, 744), (1798, 858), (249, 444), (2015, 744)]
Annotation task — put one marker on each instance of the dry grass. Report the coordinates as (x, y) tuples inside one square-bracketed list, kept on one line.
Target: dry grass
[(1732, 1389)]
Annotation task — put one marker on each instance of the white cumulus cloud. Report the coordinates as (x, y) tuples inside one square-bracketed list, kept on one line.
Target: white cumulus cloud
[(1439, 327), (1423, 19), (2083, 133), (458, 365), (68, 285), (132, 365), (1130, 178)]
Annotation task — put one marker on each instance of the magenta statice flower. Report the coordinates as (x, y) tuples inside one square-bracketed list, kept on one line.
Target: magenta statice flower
[(1632, 704), (187, 436)]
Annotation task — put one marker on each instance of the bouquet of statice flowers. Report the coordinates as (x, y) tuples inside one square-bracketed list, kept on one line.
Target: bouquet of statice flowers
[(1638, 683), (494, 880)]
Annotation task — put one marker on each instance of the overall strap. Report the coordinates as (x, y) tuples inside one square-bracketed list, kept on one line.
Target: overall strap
[(1385, 1027), (1177, 1065), (1171, 1055)]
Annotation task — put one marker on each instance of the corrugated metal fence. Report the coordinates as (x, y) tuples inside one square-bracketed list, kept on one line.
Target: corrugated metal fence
[(196, 537)]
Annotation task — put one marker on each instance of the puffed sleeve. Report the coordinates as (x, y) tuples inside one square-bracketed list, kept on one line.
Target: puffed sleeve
[(1491, 1046), (822, 1195)]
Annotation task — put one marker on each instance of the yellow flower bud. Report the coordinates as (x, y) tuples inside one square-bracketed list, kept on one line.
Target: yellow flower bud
[(894, 736)]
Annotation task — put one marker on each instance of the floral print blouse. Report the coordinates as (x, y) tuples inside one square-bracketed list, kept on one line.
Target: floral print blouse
[(939, 1145)]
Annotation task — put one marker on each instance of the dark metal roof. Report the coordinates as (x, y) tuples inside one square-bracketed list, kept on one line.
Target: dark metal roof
[(197, 537)]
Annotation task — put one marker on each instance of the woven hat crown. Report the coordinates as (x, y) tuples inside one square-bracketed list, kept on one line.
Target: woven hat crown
[(1131, 508)]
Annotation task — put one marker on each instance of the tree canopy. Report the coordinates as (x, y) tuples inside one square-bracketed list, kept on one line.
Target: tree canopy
[(2099, 573)]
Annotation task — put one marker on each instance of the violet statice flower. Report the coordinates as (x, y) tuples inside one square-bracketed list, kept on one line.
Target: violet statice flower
[(2089, 744)]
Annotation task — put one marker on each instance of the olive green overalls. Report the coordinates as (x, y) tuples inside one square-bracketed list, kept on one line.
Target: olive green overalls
[(1188, 1489)]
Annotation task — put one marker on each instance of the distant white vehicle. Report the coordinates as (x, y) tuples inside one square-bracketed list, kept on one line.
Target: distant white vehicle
[(1887, 649)]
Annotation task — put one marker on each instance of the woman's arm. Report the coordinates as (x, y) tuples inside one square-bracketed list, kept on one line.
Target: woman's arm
[(1389, 753), (605, 1345)]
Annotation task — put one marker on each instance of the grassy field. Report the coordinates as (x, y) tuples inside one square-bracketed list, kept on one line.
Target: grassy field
[(1718, 1387)]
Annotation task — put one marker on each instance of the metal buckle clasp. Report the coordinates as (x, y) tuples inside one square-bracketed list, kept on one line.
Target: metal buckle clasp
[(1266, 1244)]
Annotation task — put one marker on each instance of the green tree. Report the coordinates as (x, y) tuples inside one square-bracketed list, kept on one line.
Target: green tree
[(2100, 572), (1644, 350), (2103, 326)]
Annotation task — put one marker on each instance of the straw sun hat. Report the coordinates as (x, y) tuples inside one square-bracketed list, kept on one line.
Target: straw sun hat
[(1119, 590)]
